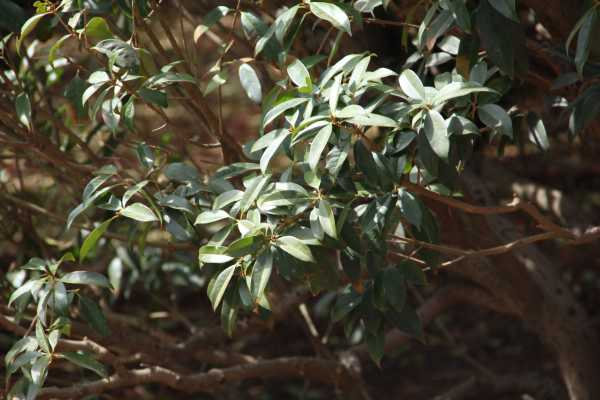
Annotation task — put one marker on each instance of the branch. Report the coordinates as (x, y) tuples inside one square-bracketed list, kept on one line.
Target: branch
[(590, 235), (314, 369)]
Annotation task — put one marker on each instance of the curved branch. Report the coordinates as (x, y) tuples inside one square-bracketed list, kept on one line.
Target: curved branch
[(314, 369)]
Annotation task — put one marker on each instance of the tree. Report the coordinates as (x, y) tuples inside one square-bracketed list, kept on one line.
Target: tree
[(363, 177)]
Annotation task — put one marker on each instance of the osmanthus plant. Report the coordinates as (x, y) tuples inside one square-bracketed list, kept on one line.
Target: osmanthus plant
[(319, 198)]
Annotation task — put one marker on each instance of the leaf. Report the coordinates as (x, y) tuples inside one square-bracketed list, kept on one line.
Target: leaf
[(346, 301), (209, 20), (295, 247), (132, 191), (92, 239), (411, 85), (410, 208), (395, 288), (23, 289), (23, 108), (494, 116), (327, 219), (145, 155), (283, 23), (152, 96), (333, 14), (334, 93), (213, 255), (139, 212), (181, 172), (253, 190), (41, 338), (461, 14), (318, 145), (250, 82), (280, 108), (507, 8), (365, 162), (85, 360), (299, 74), (27, 344), (28, 27), (245, 245), (39, 370), (272, 148), (218, 288), (86, 278), (93, 315), (503, 39), (537, 131), (97, 29), (584, 39), (261, 272), (459, 89), (375, 345), (437, 134)]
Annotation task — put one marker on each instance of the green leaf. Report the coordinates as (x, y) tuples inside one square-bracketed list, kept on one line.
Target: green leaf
[(333, 14), (410, 208), (584, 39), (145, 155), (283, 22), (92, 239), (502, 38), (280, 108), (437, 134), (346, 301), (209, 20), (23, 289), (23, 108), (245, 245), (181, 172), (97, 29), (295, 247), (261, 272), (154, 97), (411, 85), (459, 89), (132, 191), (299, 74), (219, 286), (41, 338), (250, 82), (93, 315), (494, 116), (365, 162), (85, 360), (272, 148), (334, 93), (25, 344), (139, 212), (327, 219), (253, 190), (537, 131), (507, 8), (86, 278), (28, 27), (395, 288), (318, 145), (213, 255), (375, 345)]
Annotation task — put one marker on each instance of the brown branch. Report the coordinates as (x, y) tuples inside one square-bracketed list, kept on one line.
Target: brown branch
[(314, 369), (592, 234)]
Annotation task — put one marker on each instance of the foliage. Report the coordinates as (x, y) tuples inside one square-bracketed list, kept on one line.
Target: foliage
[(343, 147)]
